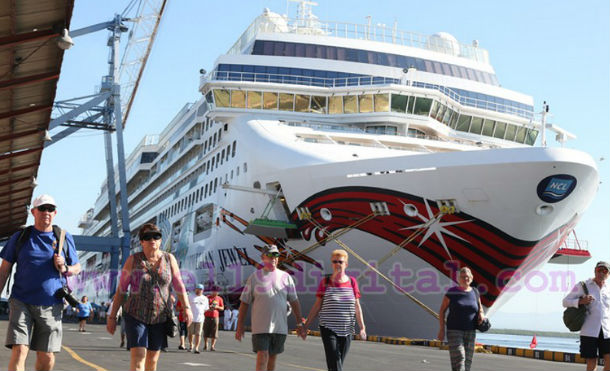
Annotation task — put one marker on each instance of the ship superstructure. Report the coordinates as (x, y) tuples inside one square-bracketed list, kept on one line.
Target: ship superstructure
[(405, 144)]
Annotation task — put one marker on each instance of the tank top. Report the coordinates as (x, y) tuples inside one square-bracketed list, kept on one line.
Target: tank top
[(149, 289), (338, 311)]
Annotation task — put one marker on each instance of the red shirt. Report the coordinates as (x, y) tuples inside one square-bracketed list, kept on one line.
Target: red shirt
[(180, 312), (349, 283), (217, 300)]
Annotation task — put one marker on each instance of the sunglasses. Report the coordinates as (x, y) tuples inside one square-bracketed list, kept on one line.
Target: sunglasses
[(338, 261), (151, 236), (273, 254), (43, 208)]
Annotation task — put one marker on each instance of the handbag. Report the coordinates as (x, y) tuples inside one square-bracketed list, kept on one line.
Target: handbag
[(485, 325), (574, 318)]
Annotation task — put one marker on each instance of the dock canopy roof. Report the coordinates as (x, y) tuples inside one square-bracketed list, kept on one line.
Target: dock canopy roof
[(30, 63)]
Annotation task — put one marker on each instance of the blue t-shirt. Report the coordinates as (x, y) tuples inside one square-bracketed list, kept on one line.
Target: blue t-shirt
[(36, 278), (84, 309), (463, 308)]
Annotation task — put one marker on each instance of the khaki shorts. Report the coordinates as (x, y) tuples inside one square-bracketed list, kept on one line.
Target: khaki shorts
[(210, 327), (195, 329), (38, 326)]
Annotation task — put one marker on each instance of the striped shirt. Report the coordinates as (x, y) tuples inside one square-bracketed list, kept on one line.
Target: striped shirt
[(149, 291), (338, 311)]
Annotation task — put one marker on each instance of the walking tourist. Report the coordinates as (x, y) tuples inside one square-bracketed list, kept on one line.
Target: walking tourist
[(465, 311), (84, 311), (226, 318), (36, 301), (182, 327), (210, 324), (147, 275), (338, 304), (267, 290), (595, 331), (199, 304)]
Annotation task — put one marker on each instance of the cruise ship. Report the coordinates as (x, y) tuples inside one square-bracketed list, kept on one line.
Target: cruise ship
[(401, 148)]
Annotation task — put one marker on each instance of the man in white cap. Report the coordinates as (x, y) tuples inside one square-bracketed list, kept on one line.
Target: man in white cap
[(595, 331), (267, 290), (199, 304), (35, 311)]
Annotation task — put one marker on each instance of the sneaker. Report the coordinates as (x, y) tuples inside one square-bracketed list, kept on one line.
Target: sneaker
[(181, 347), (196, 352), (122, 344)]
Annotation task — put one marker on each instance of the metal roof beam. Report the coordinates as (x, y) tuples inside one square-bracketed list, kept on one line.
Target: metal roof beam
[(7, 84), (26, 37), (19, 153), (19, 168), (23, 111)]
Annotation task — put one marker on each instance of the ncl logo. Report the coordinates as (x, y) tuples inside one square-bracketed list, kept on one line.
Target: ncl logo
[(556, 188)]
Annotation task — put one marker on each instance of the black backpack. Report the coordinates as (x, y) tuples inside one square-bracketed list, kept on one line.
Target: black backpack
[(24, 235)]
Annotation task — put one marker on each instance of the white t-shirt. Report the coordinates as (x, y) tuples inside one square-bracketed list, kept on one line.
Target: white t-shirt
[(199, 304), (267, 293)]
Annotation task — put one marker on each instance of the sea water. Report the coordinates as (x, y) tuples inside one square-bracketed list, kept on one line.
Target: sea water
[(570, 345)]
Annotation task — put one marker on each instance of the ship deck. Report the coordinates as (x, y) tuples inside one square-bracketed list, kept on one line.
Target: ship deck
[(97, 350)]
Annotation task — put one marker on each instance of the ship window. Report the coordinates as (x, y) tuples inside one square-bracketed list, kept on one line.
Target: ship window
[(301, 103), (217, 160), (477, 125), (511, 130), (205, 193), (532, 134), (233, 151), (213, 162), (435, 106), (488, 127), (520, 135), (222, 156), (231, 174), (238, 99), (245, 167), (335, 105), (454, 120), (255, 100), (463, 123), (441, 112), (422, 106), (205, 146), (269, 100), (219, 134), (382, 103), (221, 97), (415, 133), (365, 102), (215, 184), (237, 171), (500, 130), (214, 140), (286, 102), (228, 152), (399, 103), (350, 104), (318, 104), (447, 115)]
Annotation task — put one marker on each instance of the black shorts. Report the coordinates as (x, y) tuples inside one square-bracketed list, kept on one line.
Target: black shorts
[(591, 347)]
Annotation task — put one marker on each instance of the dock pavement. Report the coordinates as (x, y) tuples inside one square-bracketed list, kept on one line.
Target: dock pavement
[(95, 349)]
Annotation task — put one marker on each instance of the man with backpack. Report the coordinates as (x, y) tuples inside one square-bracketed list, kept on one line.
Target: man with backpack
[(593, 293), (44, 255)]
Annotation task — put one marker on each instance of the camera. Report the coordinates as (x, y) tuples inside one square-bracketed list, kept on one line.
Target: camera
[(66, 293)]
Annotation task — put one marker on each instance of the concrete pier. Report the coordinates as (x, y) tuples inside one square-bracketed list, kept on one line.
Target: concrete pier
[(98, 350)]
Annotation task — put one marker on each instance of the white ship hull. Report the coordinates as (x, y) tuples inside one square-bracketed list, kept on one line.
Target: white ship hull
[(497, 229)]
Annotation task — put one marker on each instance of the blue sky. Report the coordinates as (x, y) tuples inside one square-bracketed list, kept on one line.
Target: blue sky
[(556, 51)]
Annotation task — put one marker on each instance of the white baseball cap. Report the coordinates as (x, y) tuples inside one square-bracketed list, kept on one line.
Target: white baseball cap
[(43, 200)]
